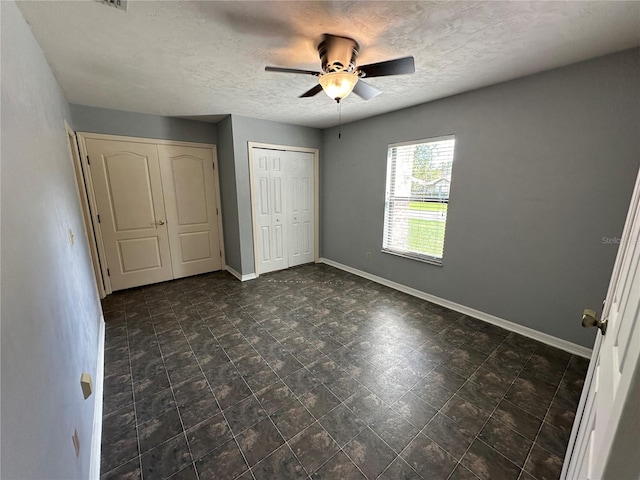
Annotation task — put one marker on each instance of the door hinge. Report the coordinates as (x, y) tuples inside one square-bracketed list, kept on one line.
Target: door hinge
[(88, 161), (217, 212), (99, 218), (108, 273), (221, 253), (214, 165)]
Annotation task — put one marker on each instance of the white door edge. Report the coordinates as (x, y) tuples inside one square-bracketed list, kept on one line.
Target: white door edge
[(82, 191), (99, 243)]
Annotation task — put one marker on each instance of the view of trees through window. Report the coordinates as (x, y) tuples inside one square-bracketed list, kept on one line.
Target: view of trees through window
[(417, 197)]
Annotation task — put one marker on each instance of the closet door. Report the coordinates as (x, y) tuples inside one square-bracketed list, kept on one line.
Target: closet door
[(269, 198), (190, 201), (128, 193), (300, 207)]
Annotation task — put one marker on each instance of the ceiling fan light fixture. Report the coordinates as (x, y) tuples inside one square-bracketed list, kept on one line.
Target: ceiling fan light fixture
[(338, 85)]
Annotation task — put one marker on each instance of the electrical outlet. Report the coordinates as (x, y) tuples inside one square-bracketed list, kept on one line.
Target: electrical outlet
[(86, 384), (76, 442), (367, 255)]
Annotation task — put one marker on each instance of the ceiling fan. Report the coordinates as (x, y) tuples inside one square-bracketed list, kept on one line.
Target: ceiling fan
[(340, 75)]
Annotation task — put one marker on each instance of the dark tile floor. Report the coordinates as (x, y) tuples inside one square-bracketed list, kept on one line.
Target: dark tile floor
[(315, 373)]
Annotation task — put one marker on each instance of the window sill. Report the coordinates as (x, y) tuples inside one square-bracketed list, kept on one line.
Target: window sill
[(430, 261)]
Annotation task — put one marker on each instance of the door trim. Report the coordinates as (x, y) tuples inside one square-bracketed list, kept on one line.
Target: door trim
[(83, 196), (316, 195), (97, 241), (154, 141)]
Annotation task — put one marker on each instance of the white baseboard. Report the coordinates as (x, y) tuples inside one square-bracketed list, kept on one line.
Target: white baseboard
[(242, 278), (485, 317), (96, 440)]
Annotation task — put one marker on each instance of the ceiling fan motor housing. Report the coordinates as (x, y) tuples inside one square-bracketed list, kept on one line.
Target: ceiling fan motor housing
[(338, 54)]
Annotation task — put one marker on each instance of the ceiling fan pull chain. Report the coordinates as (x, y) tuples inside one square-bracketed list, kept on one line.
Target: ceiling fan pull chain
[(339, 118)]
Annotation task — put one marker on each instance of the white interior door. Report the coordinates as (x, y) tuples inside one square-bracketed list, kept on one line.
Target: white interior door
[(616, 357), (300, 173), (129, 197), (192, 213), (269, 197)]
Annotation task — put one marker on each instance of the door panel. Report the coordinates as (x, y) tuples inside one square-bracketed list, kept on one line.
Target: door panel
[(128, 191), (192, 215), (195, 246), (129, 183), (269, 200), (266, 244), (139, 254), (300, 172)]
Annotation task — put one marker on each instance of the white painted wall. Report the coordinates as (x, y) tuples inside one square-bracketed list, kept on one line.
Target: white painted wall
[(50, 313)]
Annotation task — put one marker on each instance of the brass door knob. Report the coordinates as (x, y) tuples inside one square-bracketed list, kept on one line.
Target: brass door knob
[(589, 320)]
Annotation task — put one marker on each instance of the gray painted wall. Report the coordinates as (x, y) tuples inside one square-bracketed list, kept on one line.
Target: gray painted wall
[(117, 122), (229, 195), (50, 308), (544, 169), (252, 130)]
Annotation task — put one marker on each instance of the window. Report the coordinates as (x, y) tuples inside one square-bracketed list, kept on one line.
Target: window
[(417, 198)]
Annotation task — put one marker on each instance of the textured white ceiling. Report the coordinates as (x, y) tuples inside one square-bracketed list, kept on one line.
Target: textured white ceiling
[(191, 59)]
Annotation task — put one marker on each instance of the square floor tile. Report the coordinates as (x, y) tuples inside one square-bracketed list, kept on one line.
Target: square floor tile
[(128, 471), (370, 453), (553, 439), (319, 401), (159, 429), (244, 414), (465, 413), (394, 430), (259, 441), (224, 462), (292, 419), (428, 459), (313, 446), (521, 421), (118, 450), (342, 424), (208, 435), (506, 441), (280, 464), (399, 470), (366, 405), (543, 465), (118, 422), (339, 466), (166, 459), (155, 405), (414, 409), (274, 397), (453, 438), (488, 464)]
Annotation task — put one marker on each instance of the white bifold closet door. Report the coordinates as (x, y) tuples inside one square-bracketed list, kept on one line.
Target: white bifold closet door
[(283, 196), (157, 211)]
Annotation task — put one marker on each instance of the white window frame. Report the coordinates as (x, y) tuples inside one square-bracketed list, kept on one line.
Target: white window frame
[(434, 260)]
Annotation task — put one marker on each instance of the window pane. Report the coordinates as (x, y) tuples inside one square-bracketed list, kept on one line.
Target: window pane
[(417, 197)]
